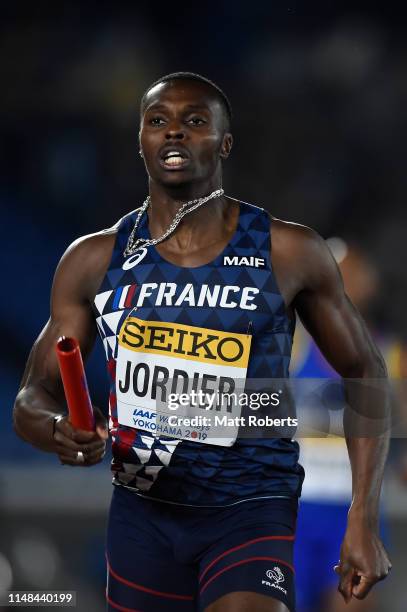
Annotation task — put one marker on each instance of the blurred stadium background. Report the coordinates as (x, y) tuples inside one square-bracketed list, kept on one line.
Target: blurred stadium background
[(319, 98)]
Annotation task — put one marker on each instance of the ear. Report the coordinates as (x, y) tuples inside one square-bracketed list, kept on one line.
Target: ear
[(226, 145), (139, 144)]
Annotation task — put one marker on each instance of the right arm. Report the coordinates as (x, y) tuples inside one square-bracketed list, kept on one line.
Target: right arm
[(41, 395)]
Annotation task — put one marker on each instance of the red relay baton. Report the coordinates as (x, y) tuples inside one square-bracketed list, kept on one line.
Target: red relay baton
[(75, 384)]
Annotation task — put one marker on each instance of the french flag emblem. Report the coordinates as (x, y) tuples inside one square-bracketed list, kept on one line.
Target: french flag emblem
[(123, 297)]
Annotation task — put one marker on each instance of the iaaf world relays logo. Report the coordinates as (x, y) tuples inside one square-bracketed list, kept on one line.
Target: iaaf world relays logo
[(276, 576)]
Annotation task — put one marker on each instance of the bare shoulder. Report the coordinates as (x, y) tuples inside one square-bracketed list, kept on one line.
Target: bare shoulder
[(93, 250), (294, 239), (85, 262), (301, 258)]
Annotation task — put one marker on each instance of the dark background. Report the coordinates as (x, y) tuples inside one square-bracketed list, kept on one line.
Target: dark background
[(319, 96)]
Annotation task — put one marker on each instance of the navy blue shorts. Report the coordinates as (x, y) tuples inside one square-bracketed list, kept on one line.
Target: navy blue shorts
[(170, 558)]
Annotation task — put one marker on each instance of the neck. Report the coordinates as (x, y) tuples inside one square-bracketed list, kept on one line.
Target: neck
[(195, 227), (167, 199)]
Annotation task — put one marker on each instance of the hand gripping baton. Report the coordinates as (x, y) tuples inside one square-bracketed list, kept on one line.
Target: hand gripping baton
[(75, 385)]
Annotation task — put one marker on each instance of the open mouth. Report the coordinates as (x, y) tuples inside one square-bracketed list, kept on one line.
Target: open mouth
[(174, 159)]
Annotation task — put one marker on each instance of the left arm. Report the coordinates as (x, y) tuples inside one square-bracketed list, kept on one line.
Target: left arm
[(343, 338)]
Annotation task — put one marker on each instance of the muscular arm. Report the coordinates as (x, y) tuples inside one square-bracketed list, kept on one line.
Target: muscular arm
[(316, 292), (41, 395)]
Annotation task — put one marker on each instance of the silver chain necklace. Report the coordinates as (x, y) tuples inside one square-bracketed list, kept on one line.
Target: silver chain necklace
[(133, 245)]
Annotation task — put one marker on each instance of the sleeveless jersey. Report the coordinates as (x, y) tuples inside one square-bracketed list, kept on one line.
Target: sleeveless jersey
[(236, 293)]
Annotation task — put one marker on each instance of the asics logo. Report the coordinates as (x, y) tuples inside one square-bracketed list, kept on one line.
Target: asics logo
[(135, 259)]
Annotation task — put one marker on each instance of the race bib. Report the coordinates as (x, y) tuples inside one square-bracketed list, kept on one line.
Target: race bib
[(172, 380)]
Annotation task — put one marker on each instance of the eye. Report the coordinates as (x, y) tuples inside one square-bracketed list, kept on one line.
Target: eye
[(156, 121), (196, 121)]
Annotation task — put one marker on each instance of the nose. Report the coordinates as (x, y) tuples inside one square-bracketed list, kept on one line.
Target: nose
[(175, 131)]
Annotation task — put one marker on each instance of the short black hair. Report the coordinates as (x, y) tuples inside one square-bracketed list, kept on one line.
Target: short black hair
[(192, 76)]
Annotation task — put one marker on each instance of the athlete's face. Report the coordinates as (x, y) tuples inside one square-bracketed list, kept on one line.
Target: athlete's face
[(183, 135)]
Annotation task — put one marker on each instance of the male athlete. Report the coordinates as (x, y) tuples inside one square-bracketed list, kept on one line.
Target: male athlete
[(207, 295)]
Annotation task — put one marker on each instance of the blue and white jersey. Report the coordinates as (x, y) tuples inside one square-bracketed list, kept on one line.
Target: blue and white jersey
[(208, 326)]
